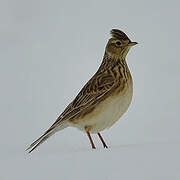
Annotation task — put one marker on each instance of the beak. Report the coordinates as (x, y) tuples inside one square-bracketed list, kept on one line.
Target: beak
[(132, 43)]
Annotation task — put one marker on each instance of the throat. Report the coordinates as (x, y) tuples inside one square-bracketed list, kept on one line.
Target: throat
[(116, 67), (114, 56), (111, 61)]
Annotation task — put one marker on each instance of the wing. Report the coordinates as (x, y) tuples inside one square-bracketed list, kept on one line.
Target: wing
[(96, 88)]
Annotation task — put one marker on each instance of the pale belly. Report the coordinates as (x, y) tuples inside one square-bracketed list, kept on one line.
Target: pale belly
[(107, 112)]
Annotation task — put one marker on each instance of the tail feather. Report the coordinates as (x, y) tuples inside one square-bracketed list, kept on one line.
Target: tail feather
[(35, 142), (40, 140), (52, 130)]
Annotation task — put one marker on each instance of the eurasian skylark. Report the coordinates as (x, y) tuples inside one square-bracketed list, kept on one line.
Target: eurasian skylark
[(105, 97)]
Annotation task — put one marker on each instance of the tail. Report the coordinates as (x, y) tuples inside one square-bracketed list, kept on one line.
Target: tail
[(52, 130)]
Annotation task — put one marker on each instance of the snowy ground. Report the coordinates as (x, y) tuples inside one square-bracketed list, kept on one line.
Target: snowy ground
[(160, 161)]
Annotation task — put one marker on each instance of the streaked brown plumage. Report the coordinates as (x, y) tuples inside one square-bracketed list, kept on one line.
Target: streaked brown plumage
[(104, 98)]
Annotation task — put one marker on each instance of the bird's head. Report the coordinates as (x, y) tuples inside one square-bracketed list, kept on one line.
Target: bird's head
[(119, 45)]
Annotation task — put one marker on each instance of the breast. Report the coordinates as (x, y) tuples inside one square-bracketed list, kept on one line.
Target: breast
[(108, 111)]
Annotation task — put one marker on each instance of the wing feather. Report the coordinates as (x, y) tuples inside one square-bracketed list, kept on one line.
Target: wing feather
[(97, 87)]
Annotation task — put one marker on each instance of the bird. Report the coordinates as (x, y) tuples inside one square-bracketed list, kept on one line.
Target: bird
[(103, 99)]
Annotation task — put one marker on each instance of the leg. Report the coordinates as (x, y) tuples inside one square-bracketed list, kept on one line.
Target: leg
[(102, 140), (91, 141)]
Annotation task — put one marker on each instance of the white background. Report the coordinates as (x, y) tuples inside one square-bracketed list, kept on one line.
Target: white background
[(48, 51)]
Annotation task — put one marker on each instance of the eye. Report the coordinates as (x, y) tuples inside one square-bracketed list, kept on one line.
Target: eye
[(118, 43)]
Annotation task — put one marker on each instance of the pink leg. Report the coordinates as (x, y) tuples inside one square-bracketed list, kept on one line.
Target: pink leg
[(91, 141), (102, 140)]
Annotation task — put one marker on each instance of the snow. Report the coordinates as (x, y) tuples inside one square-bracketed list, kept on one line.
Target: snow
[(159, 161)]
